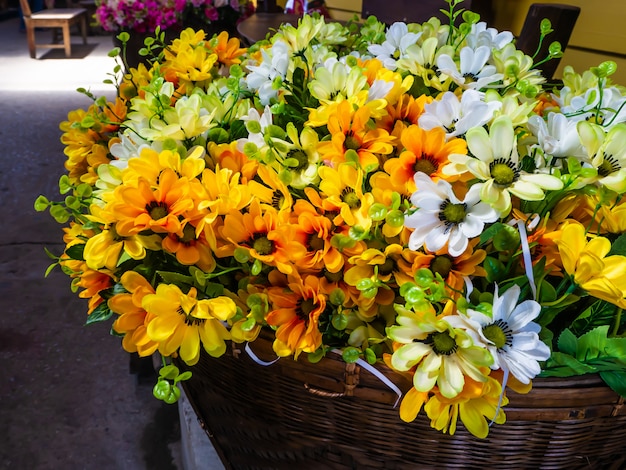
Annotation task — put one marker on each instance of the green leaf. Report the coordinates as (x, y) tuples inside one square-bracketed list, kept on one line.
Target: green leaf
[(170, 277), (184, 376), (565, 365), (567, 342), (618, 247), (41, 203), (101, 313), (592, 344), (76, 252), (169, 372), (350, 355), (616, 379)]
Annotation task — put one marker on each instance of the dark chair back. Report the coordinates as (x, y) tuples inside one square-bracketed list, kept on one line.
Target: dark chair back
[(563, 19)]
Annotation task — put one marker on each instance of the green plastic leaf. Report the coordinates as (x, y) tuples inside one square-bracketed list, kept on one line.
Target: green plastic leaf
[(615, 379), (339, 321), (169, 372), (567, 342), (350, 355), (162, 389), (184, 376), (41, 203), (592, 344), (101, 313)]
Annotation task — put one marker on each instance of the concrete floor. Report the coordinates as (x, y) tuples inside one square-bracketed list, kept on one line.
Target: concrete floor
[(67, 399)]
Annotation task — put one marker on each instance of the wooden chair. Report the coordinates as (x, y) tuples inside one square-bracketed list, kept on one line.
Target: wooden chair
[(53, 18), (563, 19)]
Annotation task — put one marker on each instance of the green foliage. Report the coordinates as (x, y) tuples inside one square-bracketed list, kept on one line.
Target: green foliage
[(592, 352), (166, 388)]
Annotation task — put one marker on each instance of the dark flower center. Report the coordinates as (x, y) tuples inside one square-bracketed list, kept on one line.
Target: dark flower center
[(189, 234), (442, 343), (304, 308), (351, 142), (442, 265), (190, 320), (157, 210), (499, 334), (609, 165), (262, 245), (427, 164), (503, 172), (350, 198), (302, 158), (452, 214)]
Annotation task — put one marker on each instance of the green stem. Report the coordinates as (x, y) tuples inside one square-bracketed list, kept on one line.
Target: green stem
[(618, 320)]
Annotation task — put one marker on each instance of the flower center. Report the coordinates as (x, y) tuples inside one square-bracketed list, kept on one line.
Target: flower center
[(426, 164), (441, 265), (349, 197), (503, 172), (388, 267), (157, 210), (499, 334), (302, 158), (304, 308), (278, 199), (333, 277), (609, 165), (351, 142), (442, 343), (262, 245), (189, 234), (316, 243), (190, 320), (452, 214)]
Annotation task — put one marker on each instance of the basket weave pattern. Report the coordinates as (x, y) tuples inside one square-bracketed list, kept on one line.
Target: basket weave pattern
[(335, 416)]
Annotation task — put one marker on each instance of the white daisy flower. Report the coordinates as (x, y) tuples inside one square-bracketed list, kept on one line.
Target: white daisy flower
[(398, 39), (509, 334), (274, 65), (456, 116), (442, 218), (481, 35), (495, 162), (473, 71), (558, 136)]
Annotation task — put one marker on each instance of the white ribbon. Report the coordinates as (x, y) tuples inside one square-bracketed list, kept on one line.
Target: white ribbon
[(255, 358), (368, 367), (379, 375), (528, 263)]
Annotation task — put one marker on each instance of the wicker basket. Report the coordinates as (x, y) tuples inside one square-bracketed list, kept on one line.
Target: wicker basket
[(297, 415)]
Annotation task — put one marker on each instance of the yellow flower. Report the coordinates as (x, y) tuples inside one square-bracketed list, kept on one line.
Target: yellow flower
[(181, 321), (587, 262)]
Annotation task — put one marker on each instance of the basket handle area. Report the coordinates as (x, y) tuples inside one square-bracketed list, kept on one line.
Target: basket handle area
[(350, 382)]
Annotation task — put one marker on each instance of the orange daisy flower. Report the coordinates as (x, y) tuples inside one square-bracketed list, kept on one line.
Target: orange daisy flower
[(296, 312)]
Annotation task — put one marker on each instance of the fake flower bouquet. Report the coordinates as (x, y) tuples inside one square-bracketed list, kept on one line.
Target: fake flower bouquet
[(143, 16), (415, 194)]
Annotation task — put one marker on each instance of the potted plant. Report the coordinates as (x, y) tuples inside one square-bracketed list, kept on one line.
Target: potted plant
[(412, 208)]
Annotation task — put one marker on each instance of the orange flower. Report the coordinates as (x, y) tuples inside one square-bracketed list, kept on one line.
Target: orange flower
[(296, 312), (133, 319), (453, 270), (227, 50), (144, 208), (350, 131), (258, 232), (425, 151)]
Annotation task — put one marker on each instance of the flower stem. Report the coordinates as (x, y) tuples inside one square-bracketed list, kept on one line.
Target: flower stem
[(618, 320)]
